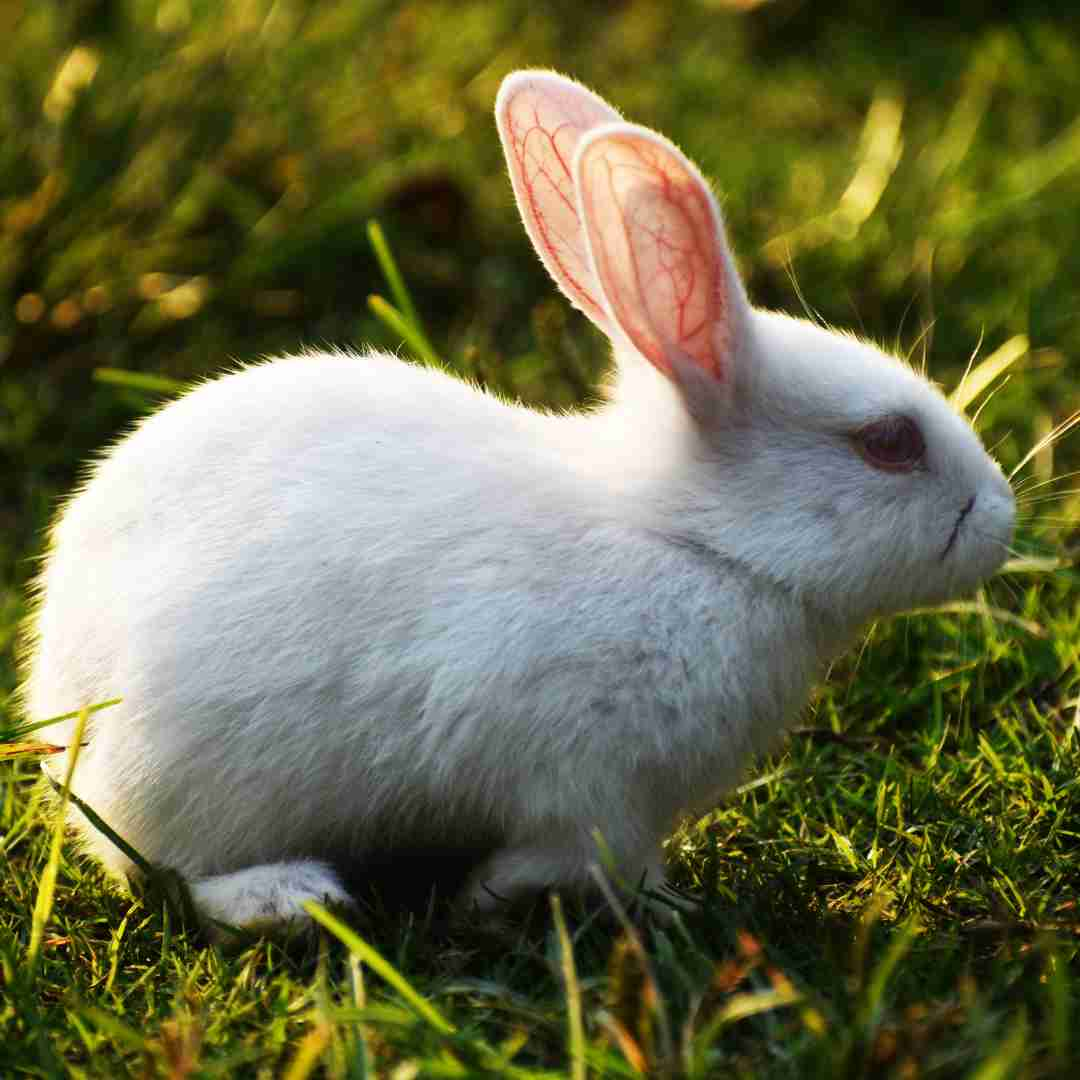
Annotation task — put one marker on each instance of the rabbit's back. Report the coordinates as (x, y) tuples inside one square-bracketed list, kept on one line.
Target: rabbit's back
[(240, 487)]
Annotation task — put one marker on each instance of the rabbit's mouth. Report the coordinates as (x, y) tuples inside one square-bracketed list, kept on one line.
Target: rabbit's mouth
[(968, 507)]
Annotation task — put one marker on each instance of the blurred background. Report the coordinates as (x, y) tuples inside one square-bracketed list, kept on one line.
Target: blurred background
[(187, 183)]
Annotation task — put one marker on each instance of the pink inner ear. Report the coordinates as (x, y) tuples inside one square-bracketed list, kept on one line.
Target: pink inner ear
[(541, 123), (657, 248)]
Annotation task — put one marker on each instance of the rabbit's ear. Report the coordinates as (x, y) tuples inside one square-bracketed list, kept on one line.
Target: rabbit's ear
[(658, 253), (541, 117)]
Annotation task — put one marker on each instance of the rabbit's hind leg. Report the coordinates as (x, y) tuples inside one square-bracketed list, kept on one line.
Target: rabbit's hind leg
[(514, 874), (266, 898)]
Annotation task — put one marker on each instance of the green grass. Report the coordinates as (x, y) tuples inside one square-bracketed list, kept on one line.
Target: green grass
[(895, 894)]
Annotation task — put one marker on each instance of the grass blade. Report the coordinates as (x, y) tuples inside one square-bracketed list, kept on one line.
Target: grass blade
[(870, 1013), (107, 1023), (743, 1006), (12, 750), (311, 1048), (375, 960), (573, 992), (1008, 1055), (989, 371), (975, 607), (20, 731), (654, 999), (407, 321), (139, 380), (413, 337), (103, 826), (43, 904), (1057, 1013), (393, 276)]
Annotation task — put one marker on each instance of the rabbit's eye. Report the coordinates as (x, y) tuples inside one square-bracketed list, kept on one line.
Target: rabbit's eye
[(894, 443)]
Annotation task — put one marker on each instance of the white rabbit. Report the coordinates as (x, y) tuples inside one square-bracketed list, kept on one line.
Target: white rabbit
[(353, 605)]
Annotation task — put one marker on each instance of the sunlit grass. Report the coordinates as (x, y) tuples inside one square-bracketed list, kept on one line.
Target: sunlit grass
[(900, 886)]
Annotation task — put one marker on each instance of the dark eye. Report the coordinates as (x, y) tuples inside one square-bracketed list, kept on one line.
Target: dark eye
[(893, 443)]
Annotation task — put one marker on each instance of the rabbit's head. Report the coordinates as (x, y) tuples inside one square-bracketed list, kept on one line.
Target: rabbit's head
[(811, 460)]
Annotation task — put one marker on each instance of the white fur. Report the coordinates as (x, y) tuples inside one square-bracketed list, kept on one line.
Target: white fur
[(354, 605), (265, 897)]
